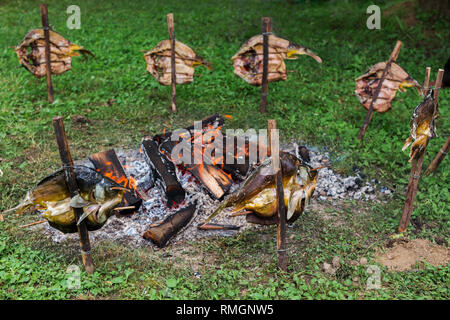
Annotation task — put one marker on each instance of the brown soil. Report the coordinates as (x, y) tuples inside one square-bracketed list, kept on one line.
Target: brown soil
[(403, 254)]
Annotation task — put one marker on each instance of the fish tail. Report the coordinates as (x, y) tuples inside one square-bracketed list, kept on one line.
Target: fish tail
[(217, 211), (407, 143), (75, 51), (24, 205)]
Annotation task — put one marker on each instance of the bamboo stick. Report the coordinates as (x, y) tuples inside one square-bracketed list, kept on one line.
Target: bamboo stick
[(439, 157), (281, 227), (72, 186), (416, 168), (48, 69), (369, 114), (266, 28), (171, 28), (426, 83)]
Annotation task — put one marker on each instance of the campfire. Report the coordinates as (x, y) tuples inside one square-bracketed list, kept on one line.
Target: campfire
[(176, 180)]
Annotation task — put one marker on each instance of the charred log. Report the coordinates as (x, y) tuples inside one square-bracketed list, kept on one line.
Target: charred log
[(161, 234), (165, 172)]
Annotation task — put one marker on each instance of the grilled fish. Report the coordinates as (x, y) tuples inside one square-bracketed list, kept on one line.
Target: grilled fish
[(98, 197), (258, 192), (159, 62), (31, 53), (248, 61), (422, 126), (396, 79)]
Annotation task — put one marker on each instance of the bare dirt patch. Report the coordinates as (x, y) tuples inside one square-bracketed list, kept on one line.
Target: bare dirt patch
[(403, 255)]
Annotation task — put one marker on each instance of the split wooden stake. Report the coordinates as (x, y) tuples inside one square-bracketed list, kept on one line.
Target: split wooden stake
[(416, 168), (72, 186), (266, 29), (426, 83), (281, 227), (48, 69), (369, 114), (171, 28), (439, 157)]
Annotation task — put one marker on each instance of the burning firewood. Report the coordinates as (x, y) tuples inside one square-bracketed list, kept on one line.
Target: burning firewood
[(214, 121), (31, 53), (214, 179), (396, 78), (165, 171), (161, 234), (108, 164), (159, 63), (248, 61), (422, 126)]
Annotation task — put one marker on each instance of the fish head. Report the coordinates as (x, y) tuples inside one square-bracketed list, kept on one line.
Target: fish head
[(104, 197), (295, 49)]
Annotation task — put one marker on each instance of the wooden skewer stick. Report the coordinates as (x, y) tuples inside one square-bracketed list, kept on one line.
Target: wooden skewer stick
[(439, 157), (266, 28), (72, 186), (369, 114), (33, 224), (170, 26), (426, 83), (237, 214), (48, 68), (281, 227), (416, 168), (124, 208)]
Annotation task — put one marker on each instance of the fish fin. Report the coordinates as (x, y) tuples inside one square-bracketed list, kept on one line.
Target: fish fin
[(88, 211), (238, 207), (407, 143), (217, 211), (24, 205), (78, 202), (293, 202)]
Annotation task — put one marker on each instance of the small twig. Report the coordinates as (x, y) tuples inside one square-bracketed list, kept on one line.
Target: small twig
[(124, 208), (237, 214), (32, 224)]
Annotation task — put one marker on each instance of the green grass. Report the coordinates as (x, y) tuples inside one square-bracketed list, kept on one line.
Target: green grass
[(316, 105)]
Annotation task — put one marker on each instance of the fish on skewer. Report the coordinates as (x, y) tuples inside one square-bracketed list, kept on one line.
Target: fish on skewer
[(248, 61), (258, 192), (396, 79), (31, 53), (159, 62), (422, 126), (98, 197)]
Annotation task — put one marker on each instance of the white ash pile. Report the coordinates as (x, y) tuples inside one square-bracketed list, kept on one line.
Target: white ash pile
[(332, 185), (130, 228)]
